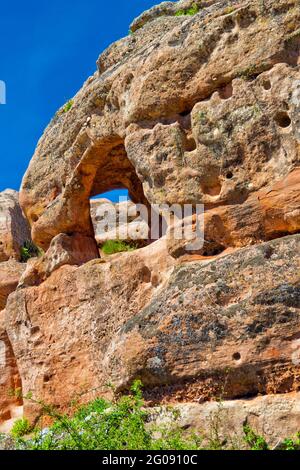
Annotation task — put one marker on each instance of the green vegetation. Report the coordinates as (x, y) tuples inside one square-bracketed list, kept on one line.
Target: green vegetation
[(125, 424), (104, 425), (29, 250), (254, 441), (20, 428), (193, 10), (117, 246), (68, 106), (292, 443), (65, 108)]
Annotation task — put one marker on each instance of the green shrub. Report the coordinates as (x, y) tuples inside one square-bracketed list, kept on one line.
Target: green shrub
[(65, 108), (68, 106), (188, 12), (117, 246), (29, 250), (125, 424), (292, 443), (254, 441), (104, 425), (20, 428)]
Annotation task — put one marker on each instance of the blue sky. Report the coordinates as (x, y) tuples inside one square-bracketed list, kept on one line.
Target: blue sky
[(48, 49)]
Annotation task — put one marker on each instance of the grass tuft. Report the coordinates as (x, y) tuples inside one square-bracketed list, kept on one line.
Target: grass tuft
[(117, 246)]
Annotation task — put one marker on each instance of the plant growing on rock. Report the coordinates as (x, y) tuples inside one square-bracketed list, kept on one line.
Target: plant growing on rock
[(193, 10), (117, 246), (20, 428), (126, 424), (29, 250)]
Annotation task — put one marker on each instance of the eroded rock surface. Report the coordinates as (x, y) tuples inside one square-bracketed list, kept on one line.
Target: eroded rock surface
[(10, 380), (229, 325), (200, 108), (14, 228), (10, 274), (274, 416), (178, 112)]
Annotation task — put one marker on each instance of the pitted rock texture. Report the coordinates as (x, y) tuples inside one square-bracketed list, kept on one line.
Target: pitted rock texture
[(274, 416), (267, 214), (10, 274), (75, 249), (228, 325), (199, 108), (60, 330), (10, 380), (14, 228), (188, 109)]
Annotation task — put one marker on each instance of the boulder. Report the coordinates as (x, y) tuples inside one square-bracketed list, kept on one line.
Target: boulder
[(123, 222)]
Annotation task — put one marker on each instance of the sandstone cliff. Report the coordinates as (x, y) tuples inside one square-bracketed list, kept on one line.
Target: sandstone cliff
[(188, 109)]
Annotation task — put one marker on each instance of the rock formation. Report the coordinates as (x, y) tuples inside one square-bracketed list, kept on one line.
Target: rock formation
[(14, 232), (14, 228), (188, 109)]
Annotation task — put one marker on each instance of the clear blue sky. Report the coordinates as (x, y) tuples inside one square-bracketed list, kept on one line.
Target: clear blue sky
[(48, 49)]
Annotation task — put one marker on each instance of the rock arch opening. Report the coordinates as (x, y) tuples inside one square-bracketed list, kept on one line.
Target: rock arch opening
[(115, 199)]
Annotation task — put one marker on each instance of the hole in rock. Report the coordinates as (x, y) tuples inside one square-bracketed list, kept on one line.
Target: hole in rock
[(283, 119), (190, 144), (212, 188), (212, 249), (115, 192), (236, 356), (226, 91), (267, 85), (245, 20), (185, 113)]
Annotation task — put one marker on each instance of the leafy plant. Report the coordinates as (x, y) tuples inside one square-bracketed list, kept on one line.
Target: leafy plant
[(292, 443), (20, 428), (68, 106), (193, 10), (254, 441), (104, 425), (125, 424), (29, 250), (117, 246)]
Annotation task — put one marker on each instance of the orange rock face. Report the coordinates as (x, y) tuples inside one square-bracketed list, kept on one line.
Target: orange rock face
[(14, 228), (200, 109), (231, 323), (188, 109), (10, 379)]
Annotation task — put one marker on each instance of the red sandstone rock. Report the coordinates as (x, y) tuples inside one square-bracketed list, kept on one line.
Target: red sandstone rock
[(14, 228), (188, 109)]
